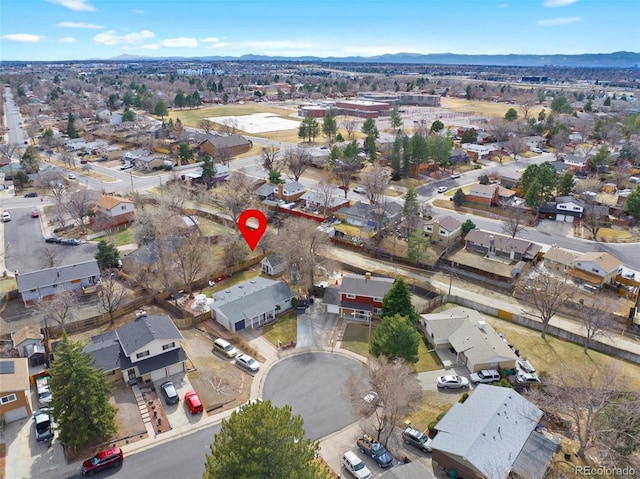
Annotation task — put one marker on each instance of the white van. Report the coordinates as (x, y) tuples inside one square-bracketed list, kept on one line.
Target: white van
[(355, 466), (225, 348)]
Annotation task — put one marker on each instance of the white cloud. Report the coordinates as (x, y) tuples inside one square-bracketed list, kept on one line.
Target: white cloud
[(111, 38), (180, 42), (210, 40), (138, 11), (75, 5), (80, 25), (558, 3), (550, 22), (67, 40), (23, 37)]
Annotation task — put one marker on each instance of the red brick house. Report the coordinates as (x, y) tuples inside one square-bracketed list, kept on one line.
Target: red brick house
[(360, 296), (483, 194)]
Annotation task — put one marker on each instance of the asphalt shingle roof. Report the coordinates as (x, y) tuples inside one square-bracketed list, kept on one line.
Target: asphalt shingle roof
[(375, 287), (145, 329), (57, 275)]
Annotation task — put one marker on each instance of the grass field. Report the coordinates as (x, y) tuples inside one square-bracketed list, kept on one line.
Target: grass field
[(483, 108), (192, 117), (285, 329)]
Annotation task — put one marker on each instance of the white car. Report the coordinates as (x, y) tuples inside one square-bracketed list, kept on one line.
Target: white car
[(528, 378), (247, 362), (126, 166), (360, 189), (455, 176), (6, 216), (442, 189), (452, 382), (71, 176)]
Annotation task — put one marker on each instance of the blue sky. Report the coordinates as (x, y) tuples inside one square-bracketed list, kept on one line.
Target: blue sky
[(86, 29)]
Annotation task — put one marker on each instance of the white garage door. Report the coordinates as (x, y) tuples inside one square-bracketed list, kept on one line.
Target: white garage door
[(15, 414), (560, 217), (175, 369), (333, 308), (158, 375), (568, 219)]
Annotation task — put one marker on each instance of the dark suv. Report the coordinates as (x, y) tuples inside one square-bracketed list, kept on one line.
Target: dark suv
[(416, 438), (109, 458)]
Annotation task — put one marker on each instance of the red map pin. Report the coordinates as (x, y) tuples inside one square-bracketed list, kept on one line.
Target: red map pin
[(252, 235)]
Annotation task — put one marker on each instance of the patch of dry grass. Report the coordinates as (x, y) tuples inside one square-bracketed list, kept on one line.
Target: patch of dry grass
[(483, 108)]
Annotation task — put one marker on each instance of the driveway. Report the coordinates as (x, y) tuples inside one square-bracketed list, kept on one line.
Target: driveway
[(315, 326), (313, 384)]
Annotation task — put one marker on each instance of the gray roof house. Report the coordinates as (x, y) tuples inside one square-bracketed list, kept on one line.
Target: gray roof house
[(272, 264), (475, 342), (499, 245), (45, 283), (145, 349), (251, 303), (492, 435)]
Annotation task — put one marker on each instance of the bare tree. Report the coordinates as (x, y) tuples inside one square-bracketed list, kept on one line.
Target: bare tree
[(269, 157), (8, 150), (559, 142), (50, 257), (229, 126), (304, 247), (375, 181), (232, 195), (527, 102), (514, 221), (58, 309), (325, 190), (235, 250), (547, 295), (593, 399), (583, 126), (295, 162), (596, 323), (398, 392), (206, 125), (78, 205), (190, 258), (516, 145), (350, 126), (593, 216), (111, 295), (223, 155)]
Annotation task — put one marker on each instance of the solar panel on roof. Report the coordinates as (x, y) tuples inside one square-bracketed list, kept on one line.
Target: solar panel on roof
[(7, 367)]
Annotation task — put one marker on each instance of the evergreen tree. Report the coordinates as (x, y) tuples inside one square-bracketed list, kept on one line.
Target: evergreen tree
[(395, 337), (208, 169), (417, 246), (511, 114), (396, 154), (160, 109), (398, 301), (128, 115), (633, 203), (329, 127), (467, 226), (71, 129), (565, 186), (436, 126), (185, 153), (80, 397), (107, 255), (458, 197), (395, 119), (30, 160), (262, 441)]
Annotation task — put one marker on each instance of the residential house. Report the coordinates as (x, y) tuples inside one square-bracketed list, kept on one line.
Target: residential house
[(503, 246), (148, 162), (443, 231), (15, 395), (565, 208), (510, 178), (314, 201), (361, 296), (146, 349), (231, 145), (476, 151), (493, 434), (458, 156), (558, 259), (117, 211), (534, 142), (596, 268), (195, 176), (482, 194), (266, 191), (408, 470), (145, 258), (406, 225), (37, 286), (130, 156), (272, 264), (75, 144), (28, 341), (577, 163), (251, 303), (289, 192), (475, 342)]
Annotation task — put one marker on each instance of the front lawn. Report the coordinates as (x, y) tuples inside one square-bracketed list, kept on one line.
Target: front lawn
[(356, 338), (285, 329)]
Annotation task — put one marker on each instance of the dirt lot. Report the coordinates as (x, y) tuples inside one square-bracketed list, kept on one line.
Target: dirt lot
[(218, 381)]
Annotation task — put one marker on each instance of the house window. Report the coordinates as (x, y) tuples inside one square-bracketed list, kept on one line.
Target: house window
[(377, 310), (351, 296), (142, 354), (594, 270), (377, 299), (123, 207), (168, 346), (8, 398)]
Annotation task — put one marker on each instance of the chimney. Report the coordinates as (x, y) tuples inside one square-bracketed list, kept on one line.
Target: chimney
[(279, 191)]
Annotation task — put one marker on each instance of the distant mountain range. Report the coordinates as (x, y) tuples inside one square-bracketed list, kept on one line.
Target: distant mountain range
[(586, 60)]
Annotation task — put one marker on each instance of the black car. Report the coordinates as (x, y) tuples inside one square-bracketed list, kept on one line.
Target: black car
[(70, 241), (53, 239), (169, 392), (31, 194)]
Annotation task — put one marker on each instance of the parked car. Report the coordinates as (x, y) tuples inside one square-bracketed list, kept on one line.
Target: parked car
[(6, 216), (53, 239), (169, 392), (417, 439), (371, 398), (442, 189), (247, 362), (71, 176), (193, 402), (360, 189), (126, 166), (43, 425), (526, 366), (31, 194), (35, 214), (112, 457), (44, 393), (356, 466), (70, 241), (527, 378), (455, 176), (452, 382), (486, 376), (225, 348), (372, 448)]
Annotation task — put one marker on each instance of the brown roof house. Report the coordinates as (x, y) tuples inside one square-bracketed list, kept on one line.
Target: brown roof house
[(502, 246), (596, 268), (15, 396), (114, 211), (215, 145), (558, 259), (493, 434)]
